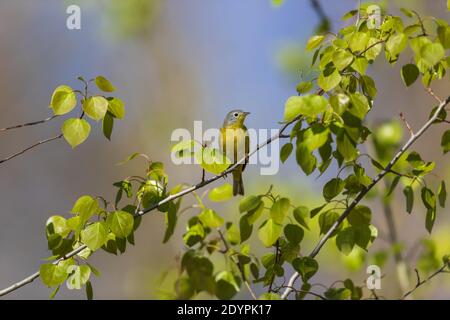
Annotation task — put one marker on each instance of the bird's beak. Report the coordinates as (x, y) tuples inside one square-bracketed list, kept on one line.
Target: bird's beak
[(246, 113)]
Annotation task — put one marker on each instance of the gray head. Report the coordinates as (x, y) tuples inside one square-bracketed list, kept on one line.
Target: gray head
[(235, 118)]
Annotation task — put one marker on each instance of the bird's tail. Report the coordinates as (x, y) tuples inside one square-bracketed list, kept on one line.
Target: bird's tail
[(238, 184)]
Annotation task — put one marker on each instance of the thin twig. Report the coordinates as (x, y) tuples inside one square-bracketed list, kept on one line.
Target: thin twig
[(411, 132), (31, 147), (431, 92), (28, 123), (199, 185), (421, 282), (363, 192), (238, 264)]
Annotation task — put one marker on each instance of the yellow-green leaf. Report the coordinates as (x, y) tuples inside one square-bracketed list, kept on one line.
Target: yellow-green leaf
[(104, 84), (75, 131), (314, 42), (63, 100), (221, 193), (95, 107)]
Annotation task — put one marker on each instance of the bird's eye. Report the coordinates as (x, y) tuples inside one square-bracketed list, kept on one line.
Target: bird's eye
[(235, 114)]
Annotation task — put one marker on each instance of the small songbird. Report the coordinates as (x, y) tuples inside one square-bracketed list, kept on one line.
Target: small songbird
[(235, 144)]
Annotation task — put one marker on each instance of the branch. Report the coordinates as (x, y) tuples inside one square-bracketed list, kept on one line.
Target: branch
[(363, 193), (37, 143), (139, 213), (28, 123), (325, 21), (421, 282), (31, 147), (238, 264)]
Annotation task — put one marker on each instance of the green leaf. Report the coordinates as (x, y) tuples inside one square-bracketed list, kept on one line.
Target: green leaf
[(346, 147), (301, 214), (445, 141), (375, 49), (85, 207), (184, 288), (116, 107), (327, 220), (313, 137), (95, 107), (277, 3), (305, 159), (254, 214), (345, 240), (269, 232), (226, 285), (409, 195), (393, 185), (432, 53), (359, 106), (121, 223), (306, 267), (221, 193), (95, 235), (409, 74), (358, 41), (269, 296), (442, 194), (54, 274), (171, 221), (293, 233), (63, 100), (349, 14), (286, 151), (279, 210), (337, 293), (444, 36), (75, 131), (342, 59), (428, 198), (54, 292), (430, 218), (233, 235), (360, 215), (448, 5), (58, 225), (184, 148), (107, 125), (396, 44), (212, 160), (249, 203), (245, 228), (89, 291), (304, 87), (104, 84), (210, 218), (339, 102), (79, 275), (329, 80), (360, 65), (333, 188), (314, 42), (309, 105)]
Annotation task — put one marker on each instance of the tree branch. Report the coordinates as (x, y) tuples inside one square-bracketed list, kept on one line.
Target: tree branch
[(139, 213), (30, 147), (421, 282), (362, 193), (28, 123), (238, 264)]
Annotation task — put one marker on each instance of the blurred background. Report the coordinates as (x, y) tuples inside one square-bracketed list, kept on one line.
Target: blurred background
[(174, 62)]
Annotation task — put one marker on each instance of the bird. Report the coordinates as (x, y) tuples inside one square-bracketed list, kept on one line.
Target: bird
[(235, 143)]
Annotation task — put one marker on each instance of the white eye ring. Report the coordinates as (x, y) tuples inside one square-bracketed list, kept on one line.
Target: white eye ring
[(235, 114)]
